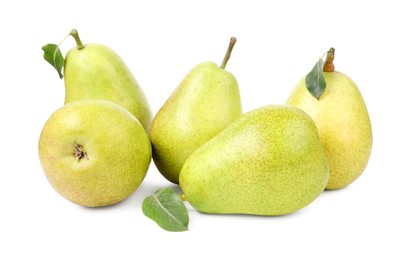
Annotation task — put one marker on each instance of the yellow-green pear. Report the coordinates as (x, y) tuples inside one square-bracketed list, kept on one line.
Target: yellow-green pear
[(95, 71), (343, 123), (206, 101), (94, 152), (268, 162)]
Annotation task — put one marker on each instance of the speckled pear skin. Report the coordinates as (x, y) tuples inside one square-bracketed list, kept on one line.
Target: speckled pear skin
[(268, 162), (116, 152), (97, 72), (206, 101), (343, 124)]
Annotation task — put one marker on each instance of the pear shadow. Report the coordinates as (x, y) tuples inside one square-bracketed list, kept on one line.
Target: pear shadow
[(234, 220), (334, 191), (291, 215)]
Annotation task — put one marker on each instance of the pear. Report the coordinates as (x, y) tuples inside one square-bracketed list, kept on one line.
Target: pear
[(95, 71), (268, 162), (343, 123), (94, 152), (206, 101)]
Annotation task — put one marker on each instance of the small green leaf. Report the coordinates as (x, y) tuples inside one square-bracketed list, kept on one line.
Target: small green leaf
[(167, 209), (53, 55), (315, 81)]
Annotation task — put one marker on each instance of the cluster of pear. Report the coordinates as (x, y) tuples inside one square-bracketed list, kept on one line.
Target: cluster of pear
[(274, 160), (94, 150)]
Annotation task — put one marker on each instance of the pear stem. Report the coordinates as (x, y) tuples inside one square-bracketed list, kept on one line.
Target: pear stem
[(228, 53), (182, 196), (74, 33), (329, 65)]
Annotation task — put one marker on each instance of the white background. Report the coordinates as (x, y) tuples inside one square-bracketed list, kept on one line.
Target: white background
[(278, 43)]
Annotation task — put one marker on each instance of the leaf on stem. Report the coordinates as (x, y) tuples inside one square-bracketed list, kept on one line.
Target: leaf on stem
[(315, 81), (167, 209), (53, 55)]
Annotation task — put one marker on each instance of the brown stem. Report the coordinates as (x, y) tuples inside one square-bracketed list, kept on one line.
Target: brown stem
[(228, 53), (329, 65)]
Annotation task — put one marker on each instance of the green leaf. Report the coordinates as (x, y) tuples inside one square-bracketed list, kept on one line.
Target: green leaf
[(53, 55), (315, 81), (167, 209)]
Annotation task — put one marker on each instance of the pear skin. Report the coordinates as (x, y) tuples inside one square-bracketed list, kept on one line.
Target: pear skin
[(268, 162), (95, 71), (343, 124), (205, 102), (94, 152)]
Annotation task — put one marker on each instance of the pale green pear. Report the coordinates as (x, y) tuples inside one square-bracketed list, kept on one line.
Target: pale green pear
[(206, 101), (94, 152), (268, 162), (343, 123), (95, 71)]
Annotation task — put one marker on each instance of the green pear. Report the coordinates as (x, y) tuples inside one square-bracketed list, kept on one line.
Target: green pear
[(94, 152), (95, 71), (343, 123), (268, 162), (206, 101)]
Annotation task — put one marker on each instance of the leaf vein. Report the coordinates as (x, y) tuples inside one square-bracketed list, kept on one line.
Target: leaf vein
[(167, 211)]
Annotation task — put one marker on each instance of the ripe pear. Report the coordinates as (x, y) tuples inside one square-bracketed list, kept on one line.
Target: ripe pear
[(268, 162), (206, 101), (343, 123), (95, 71), (94, 152)]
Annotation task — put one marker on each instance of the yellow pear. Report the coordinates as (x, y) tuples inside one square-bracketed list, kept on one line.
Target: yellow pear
[(268, 162), (205, 102), (94, 153), (95, 71), (342, 120)]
